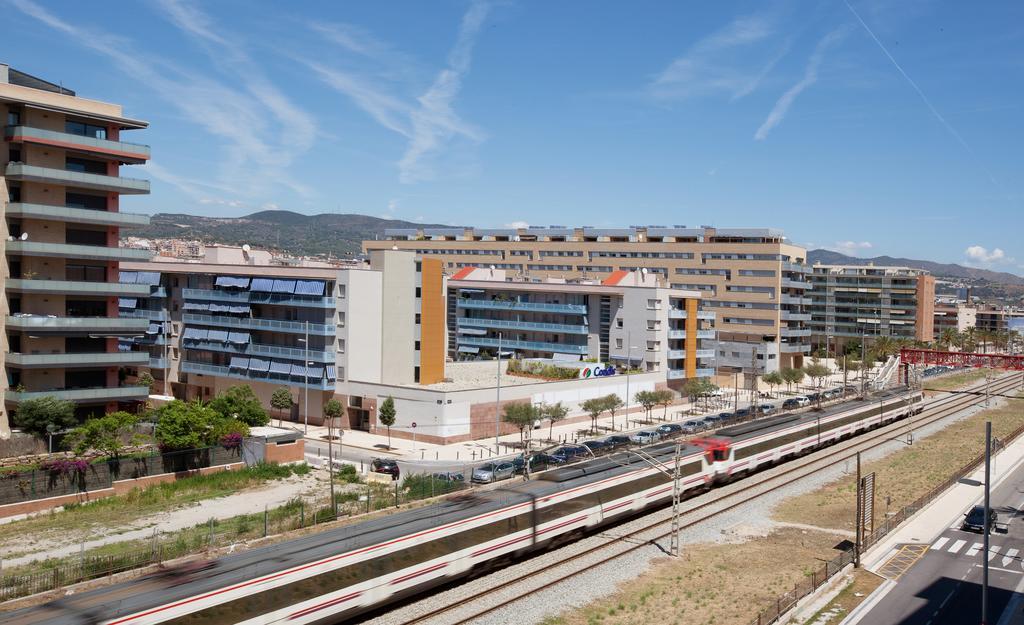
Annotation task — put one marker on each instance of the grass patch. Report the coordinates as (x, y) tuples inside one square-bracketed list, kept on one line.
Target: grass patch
[(864, 583), (955, 381), (905, 475)]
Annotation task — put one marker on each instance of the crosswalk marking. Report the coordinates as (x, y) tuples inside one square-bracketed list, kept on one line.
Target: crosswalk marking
[(993, 551), (1009, 556), (957, 546), (973, 551), (940, 543)]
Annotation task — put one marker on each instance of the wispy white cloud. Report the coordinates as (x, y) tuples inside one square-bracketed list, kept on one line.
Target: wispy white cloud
[(778, 112), (729, 61), (517, 224), (851, 248), (979, 255)]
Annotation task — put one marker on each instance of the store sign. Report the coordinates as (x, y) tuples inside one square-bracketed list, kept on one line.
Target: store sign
[(596, 371)]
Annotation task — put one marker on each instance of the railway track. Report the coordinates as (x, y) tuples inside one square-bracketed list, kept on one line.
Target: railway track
[(719, 501)]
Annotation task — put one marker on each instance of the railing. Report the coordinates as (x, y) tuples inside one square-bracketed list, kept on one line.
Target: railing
[(705, 372), (789, 332), (135, 151), (705, 353), (155, 315), (794, 316), (252, 323), (270, 378), (77, 287), (492, 304), (676, 354), (522, 325), (77, 215), (561, 348), (259, 349), (84, 324), (255, 297), (82, 394), (117, 184), (65, 360), (795, 284), (677, 334), (70, 250), (676, 313)]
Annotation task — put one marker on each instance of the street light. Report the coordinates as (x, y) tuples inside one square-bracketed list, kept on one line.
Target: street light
[(305, 416), (497, 402), (629, 364)]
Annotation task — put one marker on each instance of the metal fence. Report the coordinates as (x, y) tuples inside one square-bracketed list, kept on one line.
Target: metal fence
[(785, 602)]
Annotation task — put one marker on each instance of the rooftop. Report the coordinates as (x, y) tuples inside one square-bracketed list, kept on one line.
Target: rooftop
[(578, 233)]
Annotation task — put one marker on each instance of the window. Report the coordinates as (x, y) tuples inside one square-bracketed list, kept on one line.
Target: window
[(13, 118), (83, 200), (85, 165), (419, 292), (618, 322), (618, 343), (415, 374), (417, 346), (417, 319), (14, 155), (14, 194), (85, 130)]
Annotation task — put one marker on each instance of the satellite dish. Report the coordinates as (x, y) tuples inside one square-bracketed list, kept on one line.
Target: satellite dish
[(246, 248), (643, 270), (24, 236)]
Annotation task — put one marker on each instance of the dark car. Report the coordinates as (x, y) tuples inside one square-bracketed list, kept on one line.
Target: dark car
[(385, 465), (791, 404), (814, 396), (569, 453), (670, 429), (617, 441), (743, 413), (974, 521), (538, 462), (692, 426), (726, 416), (597, 447)]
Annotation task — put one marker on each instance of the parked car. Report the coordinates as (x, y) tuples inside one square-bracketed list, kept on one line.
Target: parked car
[(693, 425), (742, 413), (450, 476), (597, 447), (832, 393), (726, 416), (538, 462), (493, 472), (385, 465), (670, 429), (804, 400), (791, 404), (766, 409), (813, 397), (617, 441), (569, 453), (974, 520), (645, 437)]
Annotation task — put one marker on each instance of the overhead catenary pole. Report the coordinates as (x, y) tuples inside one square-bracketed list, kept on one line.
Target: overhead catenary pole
[(629, 364), (167, 352), (497, 401), (305, 426), (676, 529), (863, 363), (986, 531)]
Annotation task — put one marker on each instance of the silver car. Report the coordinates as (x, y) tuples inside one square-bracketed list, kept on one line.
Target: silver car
[(645, 437), (493, 471)]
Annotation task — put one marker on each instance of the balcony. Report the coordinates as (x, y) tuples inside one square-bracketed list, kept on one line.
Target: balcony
[(69, 250), (510, 324), (70, 287), (794, 348), (251, 323), (157, 363), (257, 349), (787, 266), (705, 372), (795, 284), (492, 304), (83, 395), (154, 315), (46, 212), (225, 372), (676, 374), (792, 332), (538, 346), (794, 316), (123, 151), (676, 313), (254, 297), (704, 354), (795, 301), (78, 179), (104, 359), (77, 325), (676, 354)]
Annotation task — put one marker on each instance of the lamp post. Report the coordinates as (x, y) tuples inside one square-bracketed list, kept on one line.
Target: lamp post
[(985, 551), (629, 363), (497, 402), (167, 352), (305, 415)]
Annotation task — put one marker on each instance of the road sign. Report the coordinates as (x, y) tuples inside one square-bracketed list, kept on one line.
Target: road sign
[(413, 425)]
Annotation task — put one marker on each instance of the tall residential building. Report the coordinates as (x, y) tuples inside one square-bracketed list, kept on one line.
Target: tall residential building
[(851, 301), (753, 280), (953, 316), (60, 189)]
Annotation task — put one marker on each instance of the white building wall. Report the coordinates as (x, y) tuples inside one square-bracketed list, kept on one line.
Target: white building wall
[(362, 332), (398, 310)]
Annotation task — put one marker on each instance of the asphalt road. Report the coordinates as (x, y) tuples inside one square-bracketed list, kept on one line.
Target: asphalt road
[(944, 585)]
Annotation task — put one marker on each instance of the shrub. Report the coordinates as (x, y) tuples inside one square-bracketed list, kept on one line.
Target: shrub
[(65, 466), (347, 473)]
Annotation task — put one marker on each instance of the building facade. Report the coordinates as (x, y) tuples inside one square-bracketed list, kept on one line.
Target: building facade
[(753, 280), (954, 316), (853, 301), (60, 221)]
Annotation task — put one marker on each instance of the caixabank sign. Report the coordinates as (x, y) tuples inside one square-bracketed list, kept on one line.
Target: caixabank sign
[(597, 370)]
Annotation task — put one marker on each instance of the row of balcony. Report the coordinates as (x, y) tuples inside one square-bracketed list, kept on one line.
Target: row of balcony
[(493, 304), (793, 300), (92, 217), (788, 266), (258, 297), (794, 348), (787, 315), (795, 284), (107, 325), (75, 287), (155, 315), (82, 395), (513, 324), (226, 372), (539, 346), (102, 359), (701, 334), (258, 349), (701, 354), (124, 151), (679, 313), (81, 180), (680, 374), (69, 250), (794, 332), (252, 323)]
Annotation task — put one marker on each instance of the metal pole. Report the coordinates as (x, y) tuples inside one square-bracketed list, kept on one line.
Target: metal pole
[(305, 423), (736, 391), (856, 545), (629, 357), (863, 363), (330, 463), (984, 551), (497, 399), (674, 538), (167, 352)]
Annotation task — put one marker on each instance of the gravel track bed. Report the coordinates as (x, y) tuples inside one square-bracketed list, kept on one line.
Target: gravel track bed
[(741, 523)]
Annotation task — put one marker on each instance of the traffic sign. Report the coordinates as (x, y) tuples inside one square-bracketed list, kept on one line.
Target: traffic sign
[(413, 424)]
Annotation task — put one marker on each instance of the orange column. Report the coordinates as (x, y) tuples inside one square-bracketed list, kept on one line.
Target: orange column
[(691, 338), (432, 326)]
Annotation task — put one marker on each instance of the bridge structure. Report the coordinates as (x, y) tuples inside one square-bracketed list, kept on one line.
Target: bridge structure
[(908, 357)]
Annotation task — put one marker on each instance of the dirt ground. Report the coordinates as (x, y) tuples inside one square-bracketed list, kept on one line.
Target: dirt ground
[(864, 583)]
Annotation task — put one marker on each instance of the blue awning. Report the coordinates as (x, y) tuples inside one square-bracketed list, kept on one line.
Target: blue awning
[(239, 362), (219, 308), (195, 334), (316, 373), (239, 310), (128, 277), (155, 328), (331, 373), (259, 365), (262, 284), (277, 366), (218, 335), (127, 302), (195, 306), (232, 282), (152, 278), (473, 331), (466, 349), (238, 338), (298, 371), (309, 287), (284, 286)]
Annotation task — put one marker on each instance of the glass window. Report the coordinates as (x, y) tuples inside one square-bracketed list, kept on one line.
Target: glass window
[(85, 130), (13, 118)]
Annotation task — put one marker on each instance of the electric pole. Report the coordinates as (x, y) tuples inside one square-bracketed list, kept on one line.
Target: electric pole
[(674, 538)]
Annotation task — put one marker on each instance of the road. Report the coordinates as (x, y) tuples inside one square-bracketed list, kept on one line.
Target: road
[(940, 583)]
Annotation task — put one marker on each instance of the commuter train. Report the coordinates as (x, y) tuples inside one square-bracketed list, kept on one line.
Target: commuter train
[(334, 575)]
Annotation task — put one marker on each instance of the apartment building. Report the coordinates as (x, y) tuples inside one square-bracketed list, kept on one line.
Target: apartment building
[(851, 301), (60, 201), (956, 316), (993, 319), (753, 280), (624, 319)]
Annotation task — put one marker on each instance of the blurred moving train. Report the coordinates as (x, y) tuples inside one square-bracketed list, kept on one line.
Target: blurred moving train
[(333, 575)]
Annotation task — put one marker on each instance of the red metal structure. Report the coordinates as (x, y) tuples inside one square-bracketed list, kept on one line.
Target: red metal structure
[(961, 359)]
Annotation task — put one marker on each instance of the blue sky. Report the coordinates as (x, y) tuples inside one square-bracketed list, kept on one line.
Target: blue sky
[(875, 127)]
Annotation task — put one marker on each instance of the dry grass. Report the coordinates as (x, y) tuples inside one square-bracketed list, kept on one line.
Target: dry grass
[(864, 583), (905, 475), (712, 584), (956, 381)]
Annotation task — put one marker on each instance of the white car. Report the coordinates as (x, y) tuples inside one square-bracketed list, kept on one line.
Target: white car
[(645, 437), (803, 400)]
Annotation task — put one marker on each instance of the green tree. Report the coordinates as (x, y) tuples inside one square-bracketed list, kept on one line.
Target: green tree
[(773, 379), (33, 415), (612, 403), (594, 407), (108, 434), (333, 409), (817, 372), (554, 413), (647, 399), (697, 388), (792, 376), (281, 400), (664, 399), (522, 416), (948, 338), (386, 415), (188, 425), (240, 402), (145, 379)]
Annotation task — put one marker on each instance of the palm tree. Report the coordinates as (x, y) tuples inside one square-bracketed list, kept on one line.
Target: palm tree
[(947, 338)]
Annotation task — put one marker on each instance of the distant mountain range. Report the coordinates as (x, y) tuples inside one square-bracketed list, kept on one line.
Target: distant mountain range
[(328, 233), (939, 270)]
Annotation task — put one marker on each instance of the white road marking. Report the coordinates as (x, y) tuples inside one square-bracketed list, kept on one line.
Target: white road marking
[(993, 551), (940, 542), (1009, 556), (957, 546), (973, 551), (996, 568)]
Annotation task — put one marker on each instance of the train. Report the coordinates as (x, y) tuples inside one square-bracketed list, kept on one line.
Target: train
[(332, 576)]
